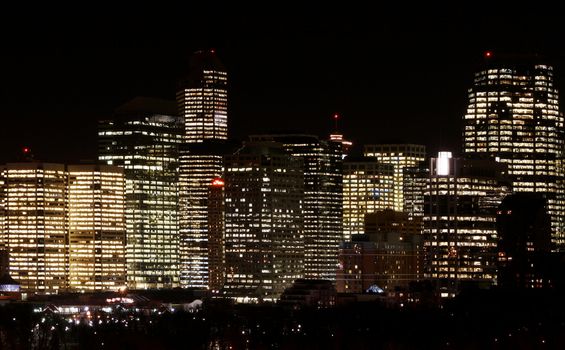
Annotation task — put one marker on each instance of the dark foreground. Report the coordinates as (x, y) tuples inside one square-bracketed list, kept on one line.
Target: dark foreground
[(485, 320)]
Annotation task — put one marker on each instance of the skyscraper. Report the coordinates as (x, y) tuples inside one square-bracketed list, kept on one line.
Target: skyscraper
[(263, 222), (368, 186), (97, 228), (35, 231), (401, 156), (143, 137), (202, 103), (460, 237), (323, 196), (203, 99), (513, 117), (64, 227), (216, 235)]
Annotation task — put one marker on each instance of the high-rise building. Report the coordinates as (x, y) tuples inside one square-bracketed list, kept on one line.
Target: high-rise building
[(263, 222), (97, 228), (202, 102), (64, 227), (513, 118), (401, 156), (216, 235), (203, 98), (143, 138), (460, 238), (200, 164), (35, 228), (388, 255), (368, 186), (323, 192), (415, 181)]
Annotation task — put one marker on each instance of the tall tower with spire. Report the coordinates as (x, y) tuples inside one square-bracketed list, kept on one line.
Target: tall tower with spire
[(202, 102), (337, 136)]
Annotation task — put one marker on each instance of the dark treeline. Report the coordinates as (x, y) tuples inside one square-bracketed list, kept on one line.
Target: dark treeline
[(477, 320)]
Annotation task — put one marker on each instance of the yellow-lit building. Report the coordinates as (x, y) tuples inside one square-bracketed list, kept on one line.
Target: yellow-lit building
[(368, 186), (97, 228), (63, 227), (513, 117), (401, 156), (35, 225)]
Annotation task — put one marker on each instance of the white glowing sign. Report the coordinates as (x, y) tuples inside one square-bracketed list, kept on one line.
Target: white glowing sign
[(442, 163)]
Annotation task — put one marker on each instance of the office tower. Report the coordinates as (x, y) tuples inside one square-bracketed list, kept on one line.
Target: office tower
[(263, 222), (203, 98), (401, 156), (524, 242), (216, 236), (513, 117), (323, 203), (388, 255), (35, 231), (415, 180), (97, 228), (202, 104), (460, 239), (143, 138), (368, 186)]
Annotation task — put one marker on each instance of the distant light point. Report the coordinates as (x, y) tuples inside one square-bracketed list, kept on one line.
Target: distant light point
[(488, 54)]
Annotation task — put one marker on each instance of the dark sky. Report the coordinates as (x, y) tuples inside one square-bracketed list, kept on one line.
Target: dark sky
[(395, 74)]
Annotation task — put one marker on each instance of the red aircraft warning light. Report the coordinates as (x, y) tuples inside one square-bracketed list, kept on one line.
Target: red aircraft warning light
[(217, 182), (488, 54)]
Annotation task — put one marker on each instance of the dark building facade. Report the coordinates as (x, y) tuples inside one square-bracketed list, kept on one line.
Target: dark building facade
[(216, 235), (524, 242)]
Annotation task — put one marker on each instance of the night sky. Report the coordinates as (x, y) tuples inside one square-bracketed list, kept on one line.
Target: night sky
[(395, 74)]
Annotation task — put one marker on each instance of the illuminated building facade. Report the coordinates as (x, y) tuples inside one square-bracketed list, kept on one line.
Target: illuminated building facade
[(203, 98), (323, 192), (401, 156), (35, 225), (202, 103), (143, 138), (415, 180), (96, 228), (368, 186), (388, 255), (263, 222), (216, 236), (513, 117), (460, 237), (200, 164)]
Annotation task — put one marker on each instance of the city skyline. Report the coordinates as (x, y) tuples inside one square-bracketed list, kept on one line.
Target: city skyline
[(296, 76)]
